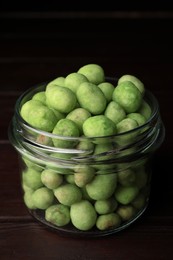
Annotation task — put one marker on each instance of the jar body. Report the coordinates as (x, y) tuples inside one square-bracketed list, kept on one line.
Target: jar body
[(118, 198), (99, 187)]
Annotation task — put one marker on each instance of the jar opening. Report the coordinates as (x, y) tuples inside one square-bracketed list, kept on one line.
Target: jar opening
[(135, 143)]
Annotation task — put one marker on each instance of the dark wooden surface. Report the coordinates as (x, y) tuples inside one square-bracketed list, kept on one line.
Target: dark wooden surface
[(37, 47)]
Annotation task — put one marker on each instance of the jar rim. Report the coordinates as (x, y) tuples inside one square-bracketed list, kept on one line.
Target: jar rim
[(41, 86), (149, 137)]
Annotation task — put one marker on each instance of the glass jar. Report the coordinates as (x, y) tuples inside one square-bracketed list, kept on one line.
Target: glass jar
[(99, 186)]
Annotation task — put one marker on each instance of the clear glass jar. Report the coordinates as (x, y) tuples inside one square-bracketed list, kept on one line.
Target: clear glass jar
[(106, 180)]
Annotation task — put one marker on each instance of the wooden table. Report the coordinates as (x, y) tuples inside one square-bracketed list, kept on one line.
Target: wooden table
[(37, 47)]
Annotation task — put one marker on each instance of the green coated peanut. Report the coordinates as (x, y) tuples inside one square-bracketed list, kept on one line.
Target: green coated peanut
[(107, 88), (28, 200), (139, 118), (105, 206), (59, 81), (79, 115), (42, 198), (98, 126), (68, 194), (140, 201), (51, 179), (126, 177), (126, 195), (145, 109), (136, 81), (91, 98), (65, 127), (73, 81), (115, 112), (83, 215), (94, 73), (102, 186), (127, 95), (32, 178), (61, 98), (40, 96), (126, 124), (58, 215), (81, 179), (108, 221), (38, 115), (126, 212)]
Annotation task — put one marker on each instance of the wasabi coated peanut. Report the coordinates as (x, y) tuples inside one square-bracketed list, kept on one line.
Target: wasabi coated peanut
[(97, 126), (51, 179), (38, 115), (43, 139), (58, 214), (83, 215), (127, 95), (140, 201), (126, 212), (126, 177), (32, 178), (136, 81), (79, 168), (40, 96), (94, 73), (145, 110), (73, 81), (107, 88), (42, 198), (26, 188), (82, 178), (108, 221), (105, 206), (61, 98), (31, 164), (68, 194), (59, 81), (85, 195), (27, 197), (115, 112), (58, 167), (139, 118), (65, 127), (102, 148), (102, 186), (85, 145), (126, 195), (61, 156), (79, 115), (69, 178), (125, 125), (58, 114), (101, 152), (91, 98)]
